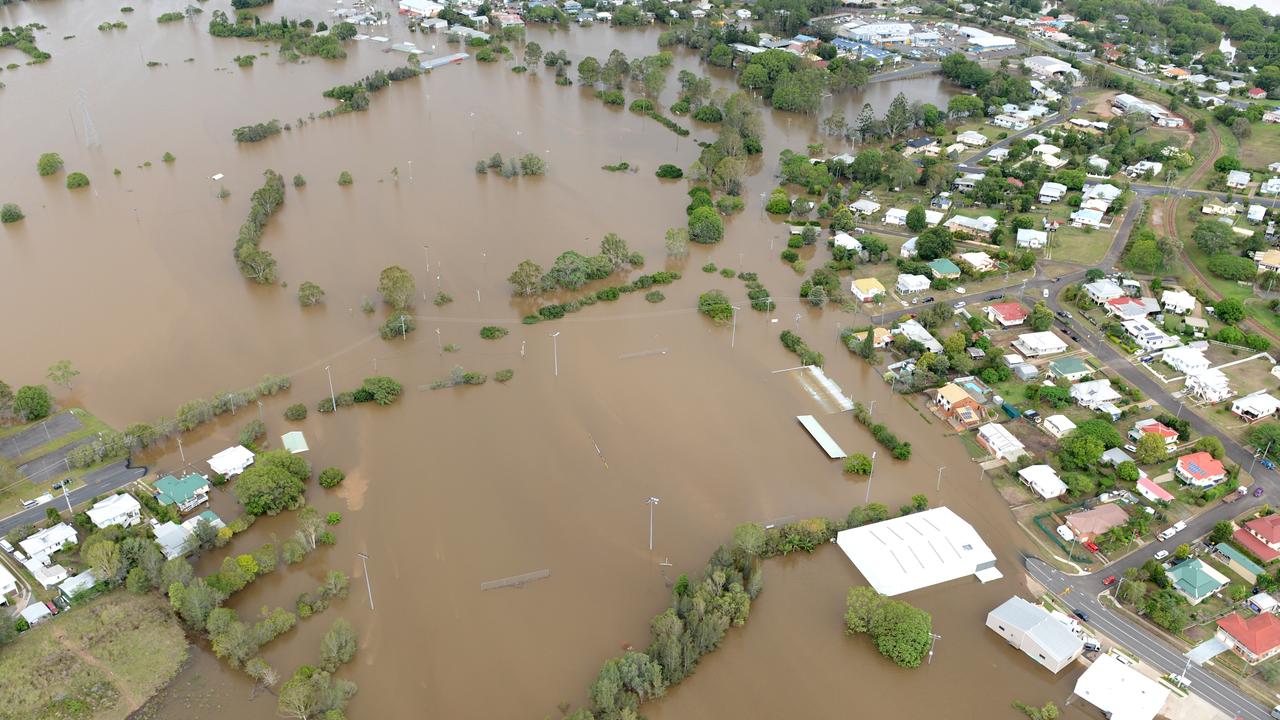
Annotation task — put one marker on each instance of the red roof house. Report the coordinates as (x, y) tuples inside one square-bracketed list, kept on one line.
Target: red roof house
[(1154, 427), (1257, 93), (1255, 639), (1153, 492), (1007, 314), (1200, 469), (1261, 536)]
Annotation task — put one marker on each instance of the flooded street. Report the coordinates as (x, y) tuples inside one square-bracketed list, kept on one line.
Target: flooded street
[(133, 280)]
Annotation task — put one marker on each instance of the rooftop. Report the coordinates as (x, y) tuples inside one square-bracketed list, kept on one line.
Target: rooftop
[(1201, 466), (1195, 579), (170, 490), (918, 550), (1260, 634), (1119, 691)]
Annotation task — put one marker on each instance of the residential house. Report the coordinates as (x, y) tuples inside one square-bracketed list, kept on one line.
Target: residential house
[(941, 201), (895, 216), (956, 405), (1144, 168), (979, 261), (944, 268), (1179, 302), (77, 584), (1211, 386), (932, 217), (1039, 344), (1147, 336), (1009, 122), (1148, 489), (120, 509), (1254, 639), (35, 613), (420, 8), (1195, 580), (972, 138), (1071, 368), (1151, 426), (847, 241), (980, 227), (1200, 469), (1051, 192), (187, 493), (1113, 457), (866, 289), (1058, 425), (1186, 360), (1240, 564), (1097, 166), (174, 539), (1260, 536), (1001, 443), (208, 516), (908, 249), (1270, 187), (1267, 260), (967, 181), (1238, 179), (1032, 239), (40, 545), (921, 145), (864, 207), (1103, 290), (45, 572), (8, 584), (1089, 524), (999, 154), (1094, 394), (1090, 218), (914, 331), (1031, 629), (1255, 406), (1256, 214), (1099, 196), (1263, 603), (1217, 208), (1043, 480), (1129, 308), (880, 337), (1007, 314), (909, 284)]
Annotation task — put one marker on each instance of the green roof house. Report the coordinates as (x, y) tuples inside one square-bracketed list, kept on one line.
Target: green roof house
[(1196, 580), (1071, 368), (944, 268), (187, 494), (1239, 562)]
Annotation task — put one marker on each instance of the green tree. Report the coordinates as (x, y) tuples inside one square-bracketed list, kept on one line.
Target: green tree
[(1213, 237), (841, 220), (344, 178), (104, 557), (312, 693), (532, 55), (677, 242), (309, 293), (32, 402), (1222, 531), (1211, 445), (1150, 449), (10, 213), (715, 305), (77, 180), (338, 645), (1041, 317), (749, 538), (267, 490), (1132, 589), (1080, 452), (861, 605), (589, 71), (615, 250), (48, 164), (705, 226), (381, 389), (901, 632), (1127, 471), (1229, 311), (915, 219), (397, 287), (526, 279), (858, 464), (1048, 712), (61, 373)]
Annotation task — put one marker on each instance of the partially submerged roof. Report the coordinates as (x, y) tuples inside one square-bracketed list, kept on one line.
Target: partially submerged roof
[(295, 442), (918, 550)]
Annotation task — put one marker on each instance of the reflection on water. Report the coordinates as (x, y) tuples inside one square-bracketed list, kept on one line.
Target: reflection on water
[(449, 489)]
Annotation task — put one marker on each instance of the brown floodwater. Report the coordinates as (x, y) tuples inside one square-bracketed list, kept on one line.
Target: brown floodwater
[(132, 279)]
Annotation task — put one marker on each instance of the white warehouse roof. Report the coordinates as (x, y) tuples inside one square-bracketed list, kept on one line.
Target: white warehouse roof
[(918, 550), (1119, 691), (231, 461)]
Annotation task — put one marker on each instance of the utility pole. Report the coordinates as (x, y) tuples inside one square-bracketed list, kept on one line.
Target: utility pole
[(1255, 457), (940, 477), (439, 341), (65, 496), (733, 336), (555, 354), (260, 402), (182, 452), (873, 472), (364, 560), (651, 502), (332, 397)]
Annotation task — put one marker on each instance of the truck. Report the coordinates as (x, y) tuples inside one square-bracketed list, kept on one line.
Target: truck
[(1234, 496), (1172, 530)]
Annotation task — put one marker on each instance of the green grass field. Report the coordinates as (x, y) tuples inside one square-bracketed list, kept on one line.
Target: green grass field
[(100, 661), (1081, 245), (1261, 148), (14, 488)]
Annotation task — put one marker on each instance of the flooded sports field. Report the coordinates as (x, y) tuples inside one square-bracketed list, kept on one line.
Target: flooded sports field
[(133, 279)]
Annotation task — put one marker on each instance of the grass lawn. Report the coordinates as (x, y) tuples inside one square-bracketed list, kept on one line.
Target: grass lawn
[(14, 488), (1261, 148), (1081, 245), (100, 661), (1255, 308)]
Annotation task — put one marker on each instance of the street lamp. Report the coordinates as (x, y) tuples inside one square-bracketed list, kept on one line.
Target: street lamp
[(733, 336), (439, 342), (651, 502), (555, 354), (940, 477), (332, 397), (873, 472)]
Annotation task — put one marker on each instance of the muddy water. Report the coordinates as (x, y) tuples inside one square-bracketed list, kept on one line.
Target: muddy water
[(133, 281)]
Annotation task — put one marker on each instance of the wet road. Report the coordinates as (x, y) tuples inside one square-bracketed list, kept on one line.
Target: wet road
[(102, 481)]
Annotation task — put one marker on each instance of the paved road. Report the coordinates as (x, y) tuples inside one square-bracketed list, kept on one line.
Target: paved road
[(911, 70), (36, 469), (102, 481), (15, 446), (971, 165), (1153, 650)]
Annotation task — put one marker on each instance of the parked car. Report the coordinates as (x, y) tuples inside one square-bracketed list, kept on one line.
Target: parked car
[(960, 304), (1109, 581), (1091, 546), (57, 486), (997, 296), (1084, 616), (1162, 554), (5, 545), (1045, 293), (1257, 492), (930, 299), (1147, 358), (52, 608), (1131, 448), (1268, 464)]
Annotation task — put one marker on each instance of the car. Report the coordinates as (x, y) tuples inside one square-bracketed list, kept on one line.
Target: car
[(1056, 279), (6, 545), (960, 304), (1131, 448), (915, 301), (28, 503), (997, 296), (961, 291), (52, 608), (930, 299), (1147, 358), (1045, 293), (1091, 546), (57, 486), (1257, 492), (1075, 337), (1162, 554), (1108, 581), (1268, 464), (1084, 616)]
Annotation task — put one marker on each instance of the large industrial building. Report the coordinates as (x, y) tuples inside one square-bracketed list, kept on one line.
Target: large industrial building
[(918, 550)]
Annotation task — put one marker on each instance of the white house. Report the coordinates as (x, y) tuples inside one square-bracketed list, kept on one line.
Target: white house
[(1009, 122), (1043, 480), (895, 216), (1256, 214), (1255, 406), (846, 241), (1032, 239), (1186, 360), (35, 613), (972, 138), (1210, 385), (232, 461), (1048, 67), (420, 8), (914, 331), (1270, 187), (998, 154), (1052, 192), (121, 510), (8, 583), (1058, 425), (980, 261), (173, 539), (1094, 393), (1085, 217), (44, 543), (908, 283), (1120, 691), (1103, 290), (1147, 336), (1000, 442), (864, 206), (77, 584), (1034, 631), (1237, 179), (1179, 302), (1039, 344), (981, 226), (908, 249)]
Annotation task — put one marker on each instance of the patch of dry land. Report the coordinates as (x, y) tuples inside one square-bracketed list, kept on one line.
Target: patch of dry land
[(100, 661)]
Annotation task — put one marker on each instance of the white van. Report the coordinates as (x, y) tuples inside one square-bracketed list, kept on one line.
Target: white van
[(1275, 712)]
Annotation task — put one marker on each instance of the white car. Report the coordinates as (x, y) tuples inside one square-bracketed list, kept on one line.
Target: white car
[(960, 290), (959, 304), (1162, 554)]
